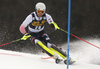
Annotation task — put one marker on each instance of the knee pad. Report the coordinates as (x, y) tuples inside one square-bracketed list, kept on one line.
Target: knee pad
[(36, 41)]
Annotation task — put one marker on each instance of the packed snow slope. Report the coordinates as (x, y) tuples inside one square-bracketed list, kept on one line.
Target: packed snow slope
[(17, 60), (87, 56)]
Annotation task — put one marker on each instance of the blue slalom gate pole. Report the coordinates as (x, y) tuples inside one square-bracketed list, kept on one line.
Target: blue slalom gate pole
[(68, 40)]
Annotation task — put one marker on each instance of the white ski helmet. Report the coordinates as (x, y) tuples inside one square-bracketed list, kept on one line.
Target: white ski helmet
[(40, 6)]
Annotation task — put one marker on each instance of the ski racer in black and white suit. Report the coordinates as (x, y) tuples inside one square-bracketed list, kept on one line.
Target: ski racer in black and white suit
[(35, 22)]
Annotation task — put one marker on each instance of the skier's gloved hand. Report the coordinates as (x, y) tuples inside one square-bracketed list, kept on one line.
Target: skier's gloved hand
[(27, 35), (54, 25)]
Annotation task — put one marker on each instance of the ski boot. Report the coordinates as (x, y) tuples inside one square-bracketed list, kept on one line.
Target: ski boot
[(57, 59), (70, 61)]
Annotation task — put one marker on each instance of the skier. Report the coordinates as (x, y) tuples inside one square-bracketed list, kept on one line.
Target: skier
[(35, 22)]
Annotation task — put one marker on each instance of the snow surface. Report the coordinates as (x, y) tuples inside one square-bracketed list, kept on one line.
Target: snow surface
[(17, 60), (87, 56)]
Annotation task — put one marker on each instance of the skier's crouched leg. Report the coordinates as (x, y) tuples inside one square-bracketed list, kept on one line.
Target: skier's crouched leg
[(43, 47)]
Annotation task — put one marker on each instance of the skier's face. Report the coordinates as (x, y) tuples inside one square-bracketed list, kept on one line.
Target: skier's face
[(40, 13)]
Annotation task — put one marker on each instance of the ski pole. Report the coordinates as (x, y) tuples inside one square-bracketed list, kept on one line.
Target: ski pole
[(10, 42), (23, 38), (80, 38)]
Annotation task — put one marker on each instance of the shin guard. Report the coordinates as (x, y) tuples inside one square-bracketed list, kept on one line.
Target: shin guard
[(58, 51), (45, 49)]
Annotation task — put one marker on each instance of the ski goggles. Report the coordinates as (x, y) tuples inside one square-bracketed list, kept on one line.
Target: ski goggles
[(40, 11)]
